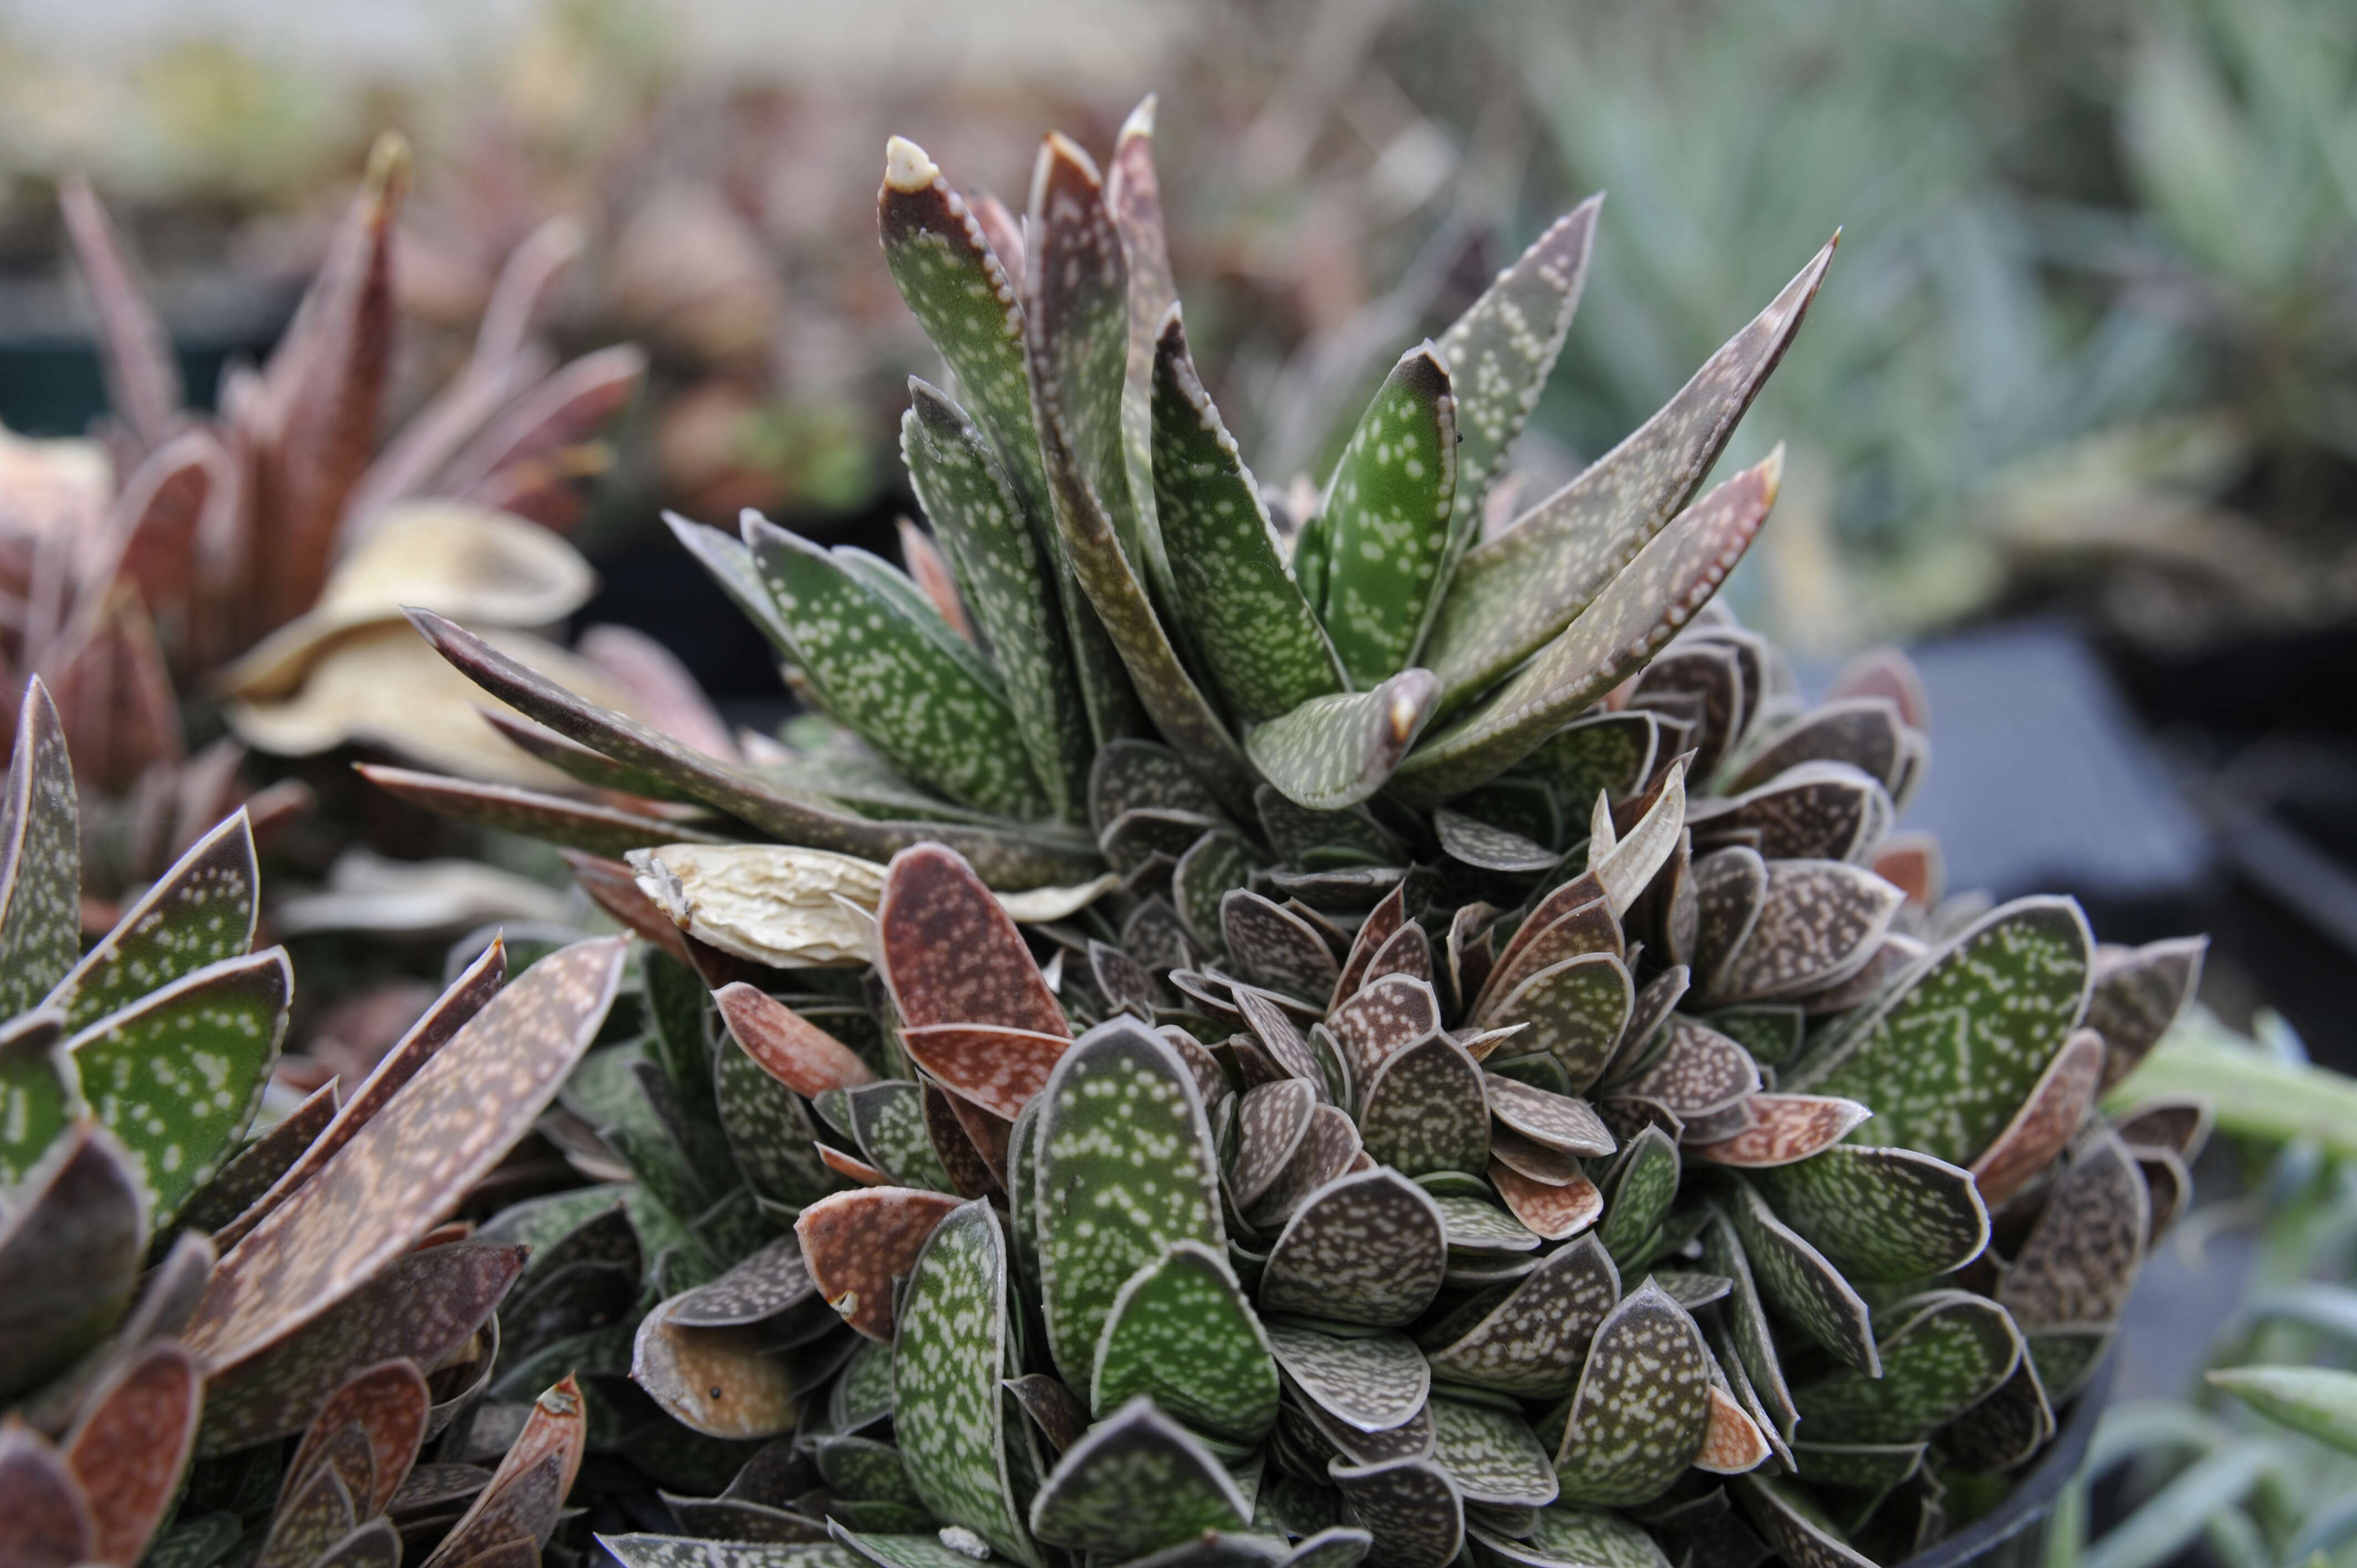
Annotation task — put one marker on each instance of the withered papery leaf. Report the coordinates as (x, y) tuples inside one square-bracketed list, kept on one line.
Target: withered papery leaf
[(404, 1167)]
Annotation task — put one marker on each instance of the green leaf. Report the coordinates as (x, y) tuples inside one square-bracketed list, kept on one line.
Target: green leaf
[(1333, 752), (2256, 1095), (1574, 1008), (1949, 1055), (1387, 509), (1425, 1111), (178, 1075), (923, 707), (1513, 594), (1642, 1406), (38, 1093), (1492, 1455), (1607, 753), (1181, 1332), (1798, 1283), (1409, 1506), (1075, 336), (1126, 1169), (257, 1167), (1746, 1323), (1625, 622), (1792, 1525), (650, 1551), (2319, 1400), (1136, 1483), (888, 1119), (1369, 1248), (1638, 1194), (198, 912), (769, 1130), (1500, 351), (1879, 1215), (40, 858), (1011, 860), (679, 1007), (1263, 646), (947, 1354), (1568, 1535), (1951, 1350), (1007, 584), (1372, 1383)]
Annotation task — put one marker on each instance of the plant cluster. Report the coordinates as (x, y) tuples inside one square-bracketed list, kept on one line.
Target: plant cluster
[(1497, 1085)]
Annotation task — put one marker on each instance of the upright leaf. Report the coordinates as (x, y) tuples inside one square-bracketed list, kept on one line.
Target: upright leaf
[(198, 912), (38, 1093), (1513, 595), (40, 858), (1261, 642), (1387, 509)]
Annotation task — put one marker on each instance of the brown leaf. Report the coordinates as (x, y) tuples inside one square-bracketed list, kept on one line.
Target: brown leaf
[(408, 1165), (597, 830), (666, 693), (951, 955), (721, 1381), (790, 1049), (1734, 1443), (525, 1492), (388, 1403), (2049, 1119), (127, 1450), (44, 1520), (997, 1069), (857, 1243), (143, 376), (114, 693), (613, 887), (1552, 1212), (1784, 1128), (433, 1029)]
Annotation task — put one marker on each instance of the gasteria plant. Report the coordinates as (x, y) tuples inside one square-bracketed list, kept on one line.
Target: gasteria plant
[(1472, 1141), (176, 1299)]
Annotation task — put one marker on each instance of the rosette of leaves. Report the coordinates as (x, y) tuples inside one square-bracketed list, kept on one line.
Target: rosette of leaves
[(1581, 1133), (181, 1295)]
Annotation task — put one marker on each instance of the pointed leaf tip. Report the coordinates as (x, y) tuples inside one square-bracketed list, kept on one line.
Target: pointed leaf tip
[(906, 168)]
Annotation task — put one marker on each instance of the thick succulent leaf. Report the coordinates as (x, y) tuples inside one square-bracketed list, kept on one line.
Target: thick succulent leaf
[(950, 951), (1557, 929), (39, 1092), (1865, 732), (1734, 1441), (1126, 1169), (1479, 844), (1951, 1350), (725, 1382), (1386, 513), (1492, 1455), (1638, 1194), (1500, 351), (388, 1405), (2048, 1120), (2138, 994), (906, 693), (2318, 1401), (1818, 923), (178, 1075), (1011, 587), (788, 1046), (1555, 1210), (948, 1357), (650, 1551), (1181, 1332), (404, 1168), (1533, 1341), (198, 912), (2003, 1430), (1136, 1483), (1554, 1121), (1795, 1280), (40, 858), (1368, 1247), (589, 826), (1948, 1057), (1271, 1122), (436, 1027), (1626, 622), (1700, 1071), (1869, 1467), (1011, 860), (1075, 338), (857, 1243), (1263, 646), (1792, 1525), (1511, 596), (309, 1525), (1411, 1507), (1819, 811), (2080, 1258), (1333, 752), (421, 1308), (1425, 1111), (887, 1121), (1275, 947), (1642, 1407), (1749, 1344), (521, 1501), (1369, 1382), (1566, 1535), (1574, 1011), (127, 1450), (44, 1520), (1327, 1150), (1784, 1128)]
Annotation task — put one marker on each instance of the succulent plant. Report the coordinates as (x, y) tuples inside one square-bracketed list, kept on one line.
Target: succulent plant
[(1473, 1141), (147, 1387)]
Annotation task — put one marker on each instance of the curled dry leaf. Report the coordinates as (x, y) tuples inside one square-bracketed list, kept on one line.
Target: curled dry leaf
[(773, 903)]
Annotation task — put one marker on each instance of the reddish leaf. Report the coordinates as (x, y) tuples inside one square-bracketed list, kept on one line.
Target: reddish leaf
[(791, 1048), (951, 952), (997, 1069), (520, 1503), (143, 376), (577, 825), (44, 1522), (1552, 1211), (129, 1448), (613, 887), (387, 1403), (406, 1166), (1786, 1127), (432, 1030), (1734, 1443), (857, 1243), (2046, 1122)]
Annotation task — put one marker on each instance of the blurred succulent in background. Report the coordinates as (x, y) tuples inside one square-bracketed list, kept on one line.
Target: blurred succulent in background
[(261, 554), (1473, 1141), (177, 1296)]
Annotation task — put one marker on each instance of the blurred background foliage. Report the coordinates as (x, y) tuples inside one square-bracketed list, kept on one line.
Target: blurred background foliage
[(2092, 333)]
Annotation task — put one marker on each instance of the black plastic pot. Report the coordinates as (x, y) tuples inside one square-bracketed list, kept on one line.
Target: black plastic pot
[(2013, 1535)]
